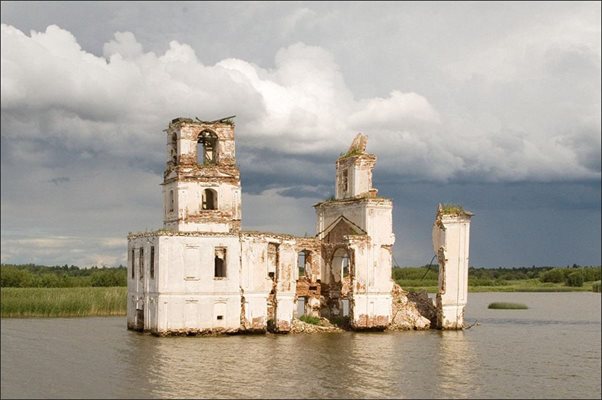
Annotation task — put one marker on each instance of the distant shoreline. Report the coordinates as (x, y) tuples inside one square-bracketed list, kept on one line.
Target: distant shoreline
[(111, 301)]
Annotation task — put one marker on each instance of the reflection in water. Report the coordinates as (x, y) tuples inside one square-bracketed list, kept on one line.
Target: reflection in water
[(455, 369), (510, 354), (332, 365)]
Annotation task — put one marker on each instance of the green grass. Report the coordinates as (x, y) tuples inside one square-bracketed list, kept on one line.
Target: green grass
[(63, 302), (507, 306), (596, 287), (310, 320)]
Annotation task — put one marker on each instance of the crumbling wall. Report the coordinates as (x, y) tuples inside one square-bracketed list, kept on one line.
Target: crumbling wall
[(451, 238), (412, 311), (185, 178)]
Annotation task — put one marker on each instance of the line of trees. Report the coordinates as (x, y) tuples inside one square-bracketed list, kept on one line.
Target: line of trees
[(31, 275), (574, 275)]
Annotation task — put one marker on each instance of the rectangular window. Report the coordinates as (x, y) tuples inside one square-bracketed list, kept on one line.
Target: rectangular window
[(220, 262), (133, 260), (141, 264), (272, 257), (152, 262), (171, 201), (345, 181)]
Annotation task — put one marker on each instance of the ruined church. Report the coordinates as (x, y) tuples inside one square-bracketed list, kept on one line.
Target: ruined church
[(201, 273)]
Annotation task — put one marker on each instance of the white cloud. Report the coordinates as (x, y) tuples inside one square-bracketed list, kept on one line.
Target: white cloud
[(51, 87), (82, 133), (59, 250)]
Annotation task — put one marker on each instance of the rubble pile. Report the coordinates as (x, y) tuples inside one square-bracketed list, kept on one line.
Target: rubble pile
[(412, 311)]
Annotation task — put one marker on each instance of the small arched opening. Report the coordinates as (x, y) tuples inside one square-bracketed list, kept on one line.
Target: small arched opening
[(207, 148), (340, 264), (174, 148), (304, 263), (209, 200)]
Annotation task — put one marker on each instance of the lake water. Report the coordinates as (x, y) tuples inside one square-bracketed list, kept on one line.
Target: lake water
[(551, 350)]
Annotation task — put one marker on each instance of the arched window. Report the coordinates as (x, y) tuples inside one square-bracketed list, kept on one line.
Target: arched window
[(340, 264), (206, 151), (174, 148), (303, 263), (345, 266)]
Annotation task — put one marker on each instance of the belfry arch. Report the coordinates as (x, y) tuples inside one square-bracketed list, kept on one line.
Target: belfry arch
[(207, 148)]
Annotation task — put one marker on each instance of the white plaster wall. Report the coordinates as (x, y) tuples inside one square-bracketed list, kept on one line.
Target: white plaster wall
[(286, 285), (379, 222), (359, 176), (188, 311), (372, 305), (141, 288), (373, 216), (191, 195), (254, 280), (285, 307), (168, 213), (188, 291), (362, 178), (353, 211), (191, 264), (455, 240), (188, 201)]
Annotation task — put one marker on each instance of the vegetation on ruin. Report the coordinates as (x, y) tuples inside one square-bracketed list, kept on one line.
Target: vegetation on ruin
[(507, 306), (308, 319), (351, 153), (452, 209), (63, 302)]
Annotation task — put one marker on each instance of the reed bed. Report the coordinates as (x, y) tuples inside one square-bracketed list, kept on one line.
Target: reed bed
[(507, 306), (63, 302)]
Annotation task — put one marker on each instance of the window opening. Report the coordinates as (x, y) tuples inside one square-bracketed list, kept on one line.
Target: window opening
[(141, 263), (174, 148), (209, 200), (220, 262), (272, 257), (340, 264), (206, 148), (152, 262), (302, 263), (345, 181), (345, 263), (301, 306), (171, 201), (133, 260), (345, 304)]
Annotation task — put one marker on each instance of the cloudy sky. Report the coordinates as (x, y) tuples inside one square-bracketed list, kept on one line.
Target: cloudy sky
[(492, 105)]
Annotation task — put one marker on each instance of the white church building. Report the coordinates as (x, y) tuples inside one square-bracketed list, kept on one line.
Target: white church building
[(201, 273)]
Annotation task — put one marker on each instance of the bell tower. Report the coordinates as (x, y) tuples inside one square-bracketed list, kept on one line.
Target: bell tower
[(354, 171), (201, 182)]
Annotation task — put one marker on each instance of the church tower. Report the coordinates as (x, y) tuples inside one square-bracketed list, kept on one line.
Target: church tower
[(356, 232), (354, 172), (201, 182)]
